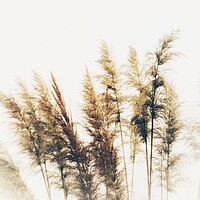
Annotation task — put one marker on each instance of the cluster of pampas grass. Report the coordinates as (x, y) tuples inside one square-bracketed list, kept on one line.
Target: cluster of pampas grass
[(46, 134), (98, 168)]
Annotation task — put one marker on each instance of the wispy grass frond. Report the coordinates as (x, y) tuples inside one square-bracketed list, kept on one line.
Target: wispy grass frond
[(134, 73), (99, 114), (106, 61), (78, 152), (14, 110), (91, 108), (10, 178), (59, 99), (193, 138), (163, 53)]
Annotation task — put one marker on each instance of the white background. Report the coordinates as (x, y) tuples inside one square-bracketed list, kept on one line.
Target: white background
[(64, 37)]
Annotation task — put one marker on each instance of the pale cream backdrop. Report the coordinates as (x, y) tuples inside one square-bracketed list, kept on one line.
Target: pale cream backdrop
[(64, 37)]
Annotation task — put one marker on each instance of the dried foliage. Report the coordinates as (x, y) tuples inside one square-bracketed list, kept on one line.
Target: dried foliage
[(47, 135), (78, 154), (98, 114), (115, 121), (168, 135), (192, 139), (11, 183), (149, 100)]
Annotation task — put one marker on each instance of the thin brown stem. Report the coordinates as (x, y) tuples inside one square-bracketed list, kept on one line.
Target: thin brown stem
[(132, 181), (151, 158), (122, 141), (161, 177), (65, 190), (147, 168), (45, 182), (47, 179)]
